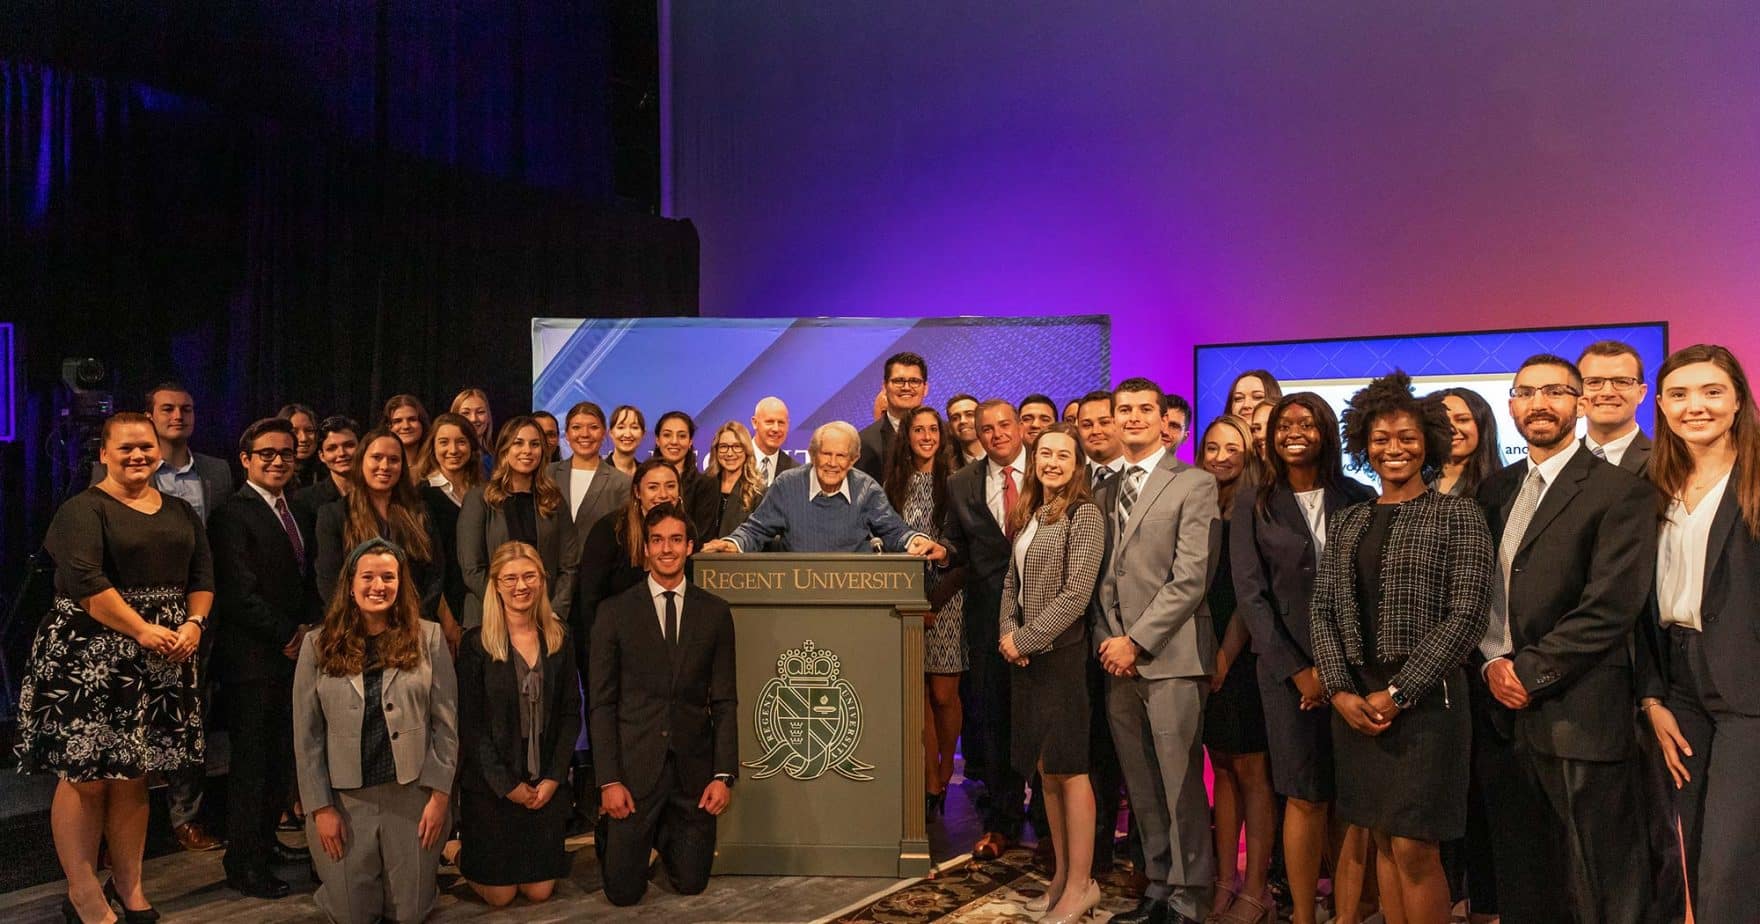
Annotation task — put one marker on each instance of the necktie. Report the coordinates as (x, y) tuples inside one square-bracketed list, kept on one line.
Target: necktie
[(292, 528), (1010, 494), (1598, 452), (1127, 493), (1497, 638), (764, 468), (1099, 476), (671, 618)]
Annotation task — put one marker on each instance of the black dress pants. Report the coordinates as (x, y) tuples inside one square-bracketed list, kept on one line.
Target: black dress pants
[(987, 731), (666, 819), (259, 717), (1720, 807)]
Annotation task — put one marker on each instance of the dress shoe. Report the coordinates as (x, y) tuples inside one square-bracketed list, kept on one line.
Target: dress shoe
[(145, 916), (257, 884), (1148, 911), (990, 846), (1090, 901), (283, 853), (192, 836)]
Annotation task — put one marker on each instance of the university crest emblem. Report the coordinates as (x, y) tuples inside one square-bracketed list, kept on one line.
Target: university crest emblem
[(808, 719)]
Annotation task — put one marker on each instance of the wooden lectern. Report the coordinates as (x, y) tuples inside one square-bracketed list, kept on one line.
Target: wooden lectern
[(830, 664)]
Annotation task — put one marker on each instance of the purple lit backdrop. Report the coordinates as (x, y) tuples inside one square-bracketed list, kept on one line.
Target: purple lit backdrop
[(1210, 172)]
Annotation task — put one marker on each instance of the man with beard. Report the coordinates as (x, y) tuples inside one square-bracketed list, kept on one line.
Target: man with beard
[(1576, 554), (962, 419), (1613, 387)]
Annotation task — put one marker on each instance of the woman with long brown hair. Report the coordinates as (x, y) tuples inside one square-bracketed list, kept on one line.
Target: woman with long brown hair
[(519, 715), (674, 433), (916, 484), (1234, 716), (1059, 540), (733, 470), (519, 503), (381, 502), (1699, 690), (375, 710), (1251, 389)]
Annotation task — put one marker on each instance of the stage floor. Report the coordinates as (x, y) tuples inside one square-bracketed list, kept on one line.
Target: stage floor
[(191, 887)]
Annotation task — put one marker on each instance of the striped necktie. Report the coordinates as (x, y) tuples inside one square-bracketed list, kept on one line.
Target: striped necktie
[(1127, 493), (1497, 637)]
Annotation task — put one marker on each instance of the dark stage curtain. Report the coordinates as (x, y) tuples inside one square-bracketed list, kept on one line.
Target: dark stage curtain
[(264, 260)]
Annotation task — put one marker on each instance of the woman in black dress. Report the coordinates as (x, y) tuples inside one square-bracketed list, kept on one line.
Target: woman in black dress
[(1059, 540), (1234, 717), (111, 692), (519, 713), (382, 502), (1400, 602), (733, 470), (673, 434)]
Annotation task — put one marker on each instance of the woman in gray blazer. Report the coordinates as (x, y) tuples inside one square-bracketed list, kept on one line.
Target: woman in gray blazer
[(375, 714), (519, 503)]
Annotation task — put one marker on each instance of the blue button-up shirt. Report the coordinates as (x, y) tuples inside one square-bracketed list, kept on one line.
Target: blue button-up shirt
[(182, 482)]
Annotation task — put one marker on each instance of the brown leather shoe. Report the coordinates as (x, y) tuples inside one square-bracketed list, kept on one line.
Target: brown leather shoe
[(990, 846), (192, 836)]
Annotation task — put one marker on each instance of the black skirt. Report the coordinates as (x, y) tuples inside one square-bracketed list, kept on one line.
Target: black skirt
[(1234, 718), (501, 843), (1410, 780), (1050, 711)]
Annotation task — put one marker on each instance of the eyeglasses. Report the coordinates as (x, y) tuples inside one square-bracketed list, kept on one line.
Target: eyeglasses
[(1554, 392), (1619, 383), (270, 455), (903, 382), (729, 447), (511, 581)]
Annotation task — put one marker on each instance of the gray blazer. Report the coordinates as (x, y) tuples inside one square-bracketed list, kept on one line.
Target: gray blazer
[(421, 709), (1153, 584), (482, 529), (609, 491)]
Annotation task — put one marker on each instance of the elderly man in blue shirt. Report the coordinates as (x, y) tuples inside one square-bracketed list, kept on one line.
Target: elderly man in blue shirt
[(828, 506)]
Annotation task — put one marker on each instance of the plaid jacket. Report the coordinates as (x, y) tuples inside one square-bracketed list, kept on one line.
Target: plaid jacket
[(1063, 564), (1437, 569)]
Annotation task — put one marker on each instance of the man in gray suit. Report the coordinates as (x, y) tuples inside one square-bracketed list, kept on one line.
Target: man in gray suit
[(205, 482), (1613, 387), (1158, 648)]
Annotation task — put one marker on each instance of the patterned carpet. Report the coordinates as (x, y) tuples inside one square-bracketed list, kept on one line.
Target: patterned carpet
[(990, 892)]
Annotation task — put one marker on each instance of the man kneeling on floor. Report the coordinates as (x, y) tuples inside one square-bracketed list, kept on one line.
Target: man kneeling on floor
[(662, 718)]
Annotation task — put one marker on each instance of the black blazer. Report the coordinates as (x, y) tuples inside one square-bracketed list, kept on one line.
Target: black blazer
[(1729, 614), (488, 717), (701, 498), (876, 447), (1273, 560), (482, 529), (321, 492), (1636, 458), (262, 594), (330, 556), (977, 542), (604, 572), (443, 513), (646, 701), (1577, 587)]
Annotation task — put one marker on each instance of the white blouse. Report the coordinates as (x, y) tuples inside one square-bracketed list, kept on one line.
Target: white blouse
[(1023, 542), (1313, 504), (446, 487), (1680, 558)]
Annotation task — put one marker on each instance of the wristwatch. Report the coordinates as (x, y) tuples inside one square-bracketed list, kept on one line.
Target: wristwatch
[(1399, 698)]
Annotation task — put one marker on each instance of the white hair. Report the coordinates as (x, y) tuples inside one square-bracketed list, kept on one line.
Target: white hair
[(842, 427)]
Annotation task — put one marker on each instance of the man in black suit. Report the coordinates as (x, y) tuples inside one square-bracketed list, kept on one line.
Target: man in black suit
[(905, 382), (1613, 387), (661, 707), (1577, 551), (264, 602), (977, 500)]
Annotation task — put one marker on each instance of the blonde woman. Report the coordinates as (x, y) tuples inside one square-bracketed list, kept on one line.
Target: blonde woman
[(733, 468), (473, 405), (375, 739), (519, 716)]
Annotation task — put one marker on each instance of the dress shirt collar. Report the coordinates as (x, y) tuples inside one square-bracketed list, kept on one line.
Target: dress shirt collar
[(439, 481), (1551, 467), (263, 493), (1614, 449), (1019, 465), (1115, 466), (175, 471), (655, 590), (814, 491), (1149, 464)]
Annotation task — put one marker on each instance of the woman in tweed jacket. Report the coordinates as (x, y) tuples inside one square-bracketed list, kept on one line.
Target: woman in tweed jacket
[(1059, 539), (1399, 603)]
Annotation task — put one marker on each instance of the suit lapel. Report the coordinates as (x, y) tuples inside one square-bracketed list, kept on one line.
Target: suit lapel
[(1728, 515), (270, 521), (1558, 496), (1153, 485), (1636, 454)]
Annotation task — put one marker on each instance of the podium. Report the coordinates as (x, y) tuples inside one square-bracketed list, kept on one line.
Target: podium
[(830, 665)]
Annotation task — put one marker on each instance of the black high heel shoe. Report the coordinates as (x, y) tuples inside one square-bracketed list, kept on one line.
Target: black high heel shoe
[(148, 916)]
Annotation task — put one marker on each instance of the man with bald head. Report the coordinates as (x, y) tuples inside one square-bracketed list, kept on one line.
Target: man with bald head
[(828, 506), (769, 432)]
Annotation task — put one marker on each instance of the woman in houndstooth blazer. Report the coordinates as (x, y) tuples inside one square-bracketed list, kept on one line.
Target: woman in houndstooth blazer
[(1400, 601), (1059, 540)]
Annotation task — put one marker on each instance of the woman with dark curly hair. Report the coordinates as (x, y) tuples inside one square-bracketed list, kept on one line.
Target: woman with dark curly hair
[(1399, 603), (1474, 454)]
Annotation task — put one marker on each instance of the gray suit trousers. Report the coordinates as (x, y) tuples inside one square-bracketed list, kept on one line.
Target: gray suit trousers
[(384, 872), (1157, 726)]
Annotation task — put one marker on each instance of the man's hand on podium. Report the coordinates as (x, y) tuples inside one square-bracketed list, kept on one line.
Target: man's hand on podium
[(722, 545), (926, 547)]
